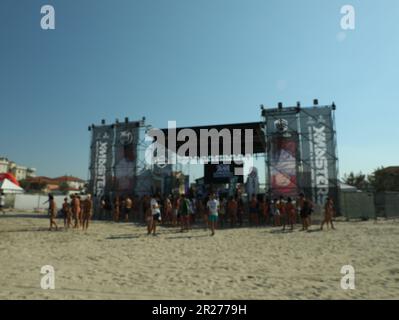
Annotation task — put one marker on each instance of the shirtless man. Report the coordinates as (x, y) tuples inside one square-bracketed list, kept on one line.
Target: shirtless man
[(232, 211), (80, 210), (304, 206), (87, 212), (117, 205), (75, 204), (66, 211)]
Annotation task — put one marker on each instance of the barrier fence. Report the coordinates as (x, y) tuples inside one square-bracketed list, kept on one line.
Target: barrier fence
[(357, 205)]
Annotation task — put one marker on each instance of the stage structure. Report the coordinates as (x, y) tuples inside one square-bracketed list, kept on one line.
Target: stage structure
[(298, 144), (117, 164), (301, 152)]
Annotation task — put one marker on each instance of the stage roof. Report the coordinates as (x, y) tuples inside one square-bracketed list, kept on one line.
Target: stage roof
[(258, 134)]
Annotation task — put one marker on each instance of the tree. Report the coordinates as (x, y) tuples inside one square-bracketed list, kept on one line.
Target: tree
[(358, 180), (37, 186), (24, 184), (385, 179), (63, 187), (382, 179)]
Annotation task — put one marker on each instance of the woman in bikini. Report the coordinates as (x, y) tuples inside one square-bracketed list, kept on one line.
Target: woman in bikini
[(329, 213), (290, 213), (53, 213)]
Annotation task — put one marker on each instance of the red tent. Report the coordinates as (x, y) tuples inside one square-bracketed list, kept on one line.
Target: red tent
[(8, 176)]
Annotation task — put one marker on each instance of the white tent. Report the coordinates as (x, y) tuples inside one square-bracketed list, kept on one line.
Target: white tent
[(347, 187), (9, 187)]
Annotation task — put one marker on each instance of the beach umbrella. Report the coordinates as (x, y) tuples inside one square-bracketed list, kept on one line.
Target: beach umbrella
[(9, 187)]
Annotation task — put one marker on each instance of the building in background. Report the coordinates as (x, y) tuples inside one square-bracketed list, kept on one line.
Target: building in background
[(18, 171), (60, 185)]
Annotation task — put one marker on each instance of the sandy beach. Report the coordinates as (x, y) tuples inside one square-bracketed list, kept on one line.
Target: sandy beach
[(119, 261)]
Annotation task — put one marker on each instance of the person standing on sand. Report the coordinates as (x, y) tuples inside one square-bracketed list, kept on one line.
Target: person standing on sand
[(329, 213), (192, 212), (108, 208), (304, 207), (253, 211), (146, 207), (156, 214), (213, 206), (167, 211), (66, 211), (240, 210), (266, 211), (276, 213), (283, 213), (184, 210), (122, 207), (2, 204), (175, 210), (222, 211), (101, 215), (48, 201), (128, 208), (202, 212), (87, 212), (75, 204), (80, 210), (53, 213), (290, 213), (147, 214), (117, 206), (232, 211)]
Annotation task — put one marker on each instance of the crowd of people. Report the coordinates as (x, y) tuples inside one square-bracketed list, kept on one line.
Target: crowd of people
[(213, 211), (182, 211), (76, 212)]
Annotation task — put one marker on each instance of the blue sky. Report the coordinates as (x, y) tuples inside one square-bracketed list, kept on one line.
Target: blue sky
[(196, 62)]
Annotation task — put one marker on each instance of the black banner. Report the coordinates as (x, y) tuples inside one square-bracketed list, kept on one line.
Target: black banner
[(101, 160)]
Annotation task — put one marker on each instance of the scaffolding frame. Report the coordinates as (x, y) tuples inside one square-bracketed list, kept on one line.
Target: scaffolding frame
[(296, 115)]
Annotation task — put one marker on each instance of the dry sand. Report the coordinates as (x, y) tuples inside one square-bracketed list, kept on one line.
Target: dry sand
[(119, 261)]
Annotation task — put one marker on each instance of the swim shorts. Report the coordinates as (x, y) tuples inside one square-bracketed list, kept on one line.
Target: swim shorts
[(213, 218)]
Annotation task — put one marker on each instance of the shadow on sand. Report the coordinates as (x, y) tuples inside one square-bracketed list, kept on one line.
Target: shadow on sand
[(26, 230), (188, 236), (24, 215), (126, 236)]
